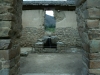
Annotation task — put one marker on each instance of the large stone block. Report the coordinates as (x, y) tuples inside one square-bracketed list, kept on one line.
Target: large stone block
[(4, 31), (94, 56), (94, 64), (94, 46), (94, 34), (9, 54), (92, 23), (5, 44), (93, 13), (5, 9), (8, 2), (94, 71), (4, 54), (7, 17), (6, 24), (93, 3)]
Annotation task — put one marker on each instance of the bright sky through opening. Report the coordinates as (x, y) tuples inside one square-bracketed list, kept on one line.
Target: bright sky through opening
[(50, 12)]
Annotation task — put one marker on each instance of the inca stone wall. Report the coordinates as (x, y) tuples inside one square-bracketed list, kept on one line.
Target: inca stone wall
[(10, 28), (33, 29), (66, 28), (88, 18), (30, 35), (69, 36)]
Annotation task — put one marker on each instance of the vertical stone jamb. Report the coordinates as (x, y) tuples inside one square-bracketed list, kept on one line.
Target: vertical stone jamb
[(10, 28), (88, 18)]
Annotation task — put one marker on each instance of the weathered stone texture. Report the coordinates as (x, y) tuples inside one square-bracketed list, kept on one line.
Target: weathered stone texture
[(94, 56), (30, 35), (92, 3), (94, 34), (5, 44), (92, 23), (10, 28), (95, 46), (94, 71), (88, 18), (94, 64), (69, 36)]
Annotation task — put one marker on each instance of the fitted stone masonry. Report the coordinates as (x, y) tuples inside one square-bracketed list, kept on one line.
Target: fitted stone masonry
[(88, 19), (10, 28)]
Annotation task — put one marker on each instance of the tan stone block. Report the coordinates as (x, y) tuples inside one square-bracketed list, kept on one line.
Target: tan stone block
[(94, 46), (92, 23), (7, 17), (4, 31), (94, 56), (15, 51), (94, 64), (94, 34), (5, 44), (93, 13), (9, 54), (94, 71), (4, 54)]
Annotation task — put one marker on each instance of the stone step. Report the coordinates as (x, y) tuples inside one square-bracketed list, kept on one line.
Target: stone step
[(94, 71), (94, 64), (45, 74)]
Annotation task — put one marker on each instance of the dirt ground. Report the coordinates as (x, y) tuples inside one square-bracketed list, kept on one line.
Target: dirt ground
[(70, 63)]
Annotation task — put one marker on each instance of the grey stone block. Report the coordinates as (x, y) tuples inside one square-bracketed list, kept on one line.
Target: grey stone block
[(94, 46)]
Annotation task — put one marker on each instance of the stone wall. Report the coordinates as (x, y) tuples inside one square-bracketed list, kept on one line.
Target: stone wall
[(30, 35), (88, 18), (69, 36), (65, 19), (10, 28), (33, 29)]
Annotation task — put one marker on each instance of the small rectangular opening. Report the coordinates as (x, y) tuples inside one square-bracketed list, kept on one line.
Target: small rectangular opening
[(50, 22)]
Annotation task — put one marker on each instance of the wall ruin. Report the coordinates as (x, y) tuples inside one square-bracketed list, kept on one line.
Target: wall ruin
[(88, 19), (66, 28), (33, 29), (10, 28)]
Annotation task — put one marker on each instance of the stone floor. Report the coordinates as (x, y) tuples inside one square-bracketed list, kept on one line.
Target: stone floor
[(70, 63)]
